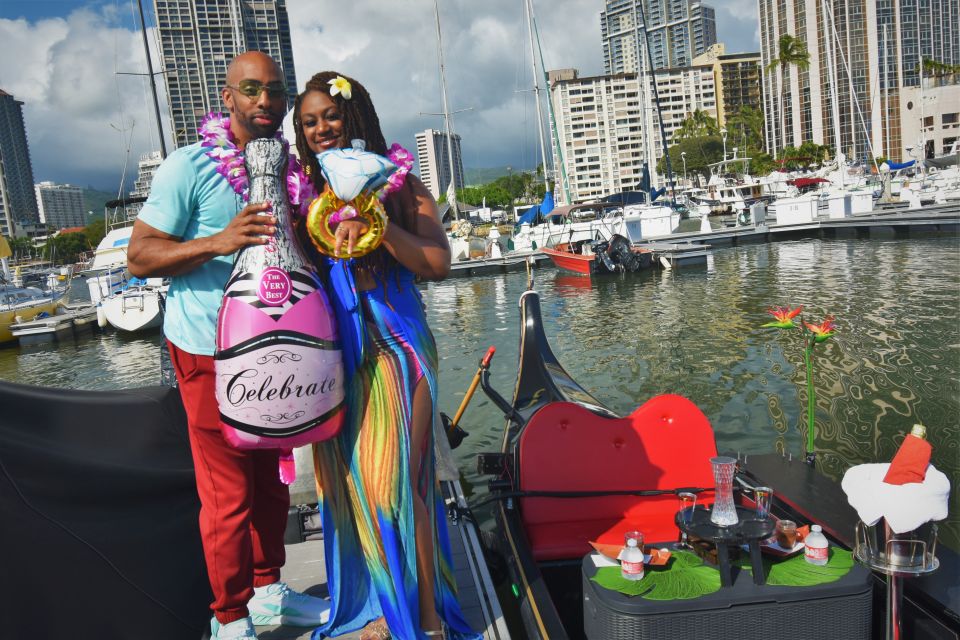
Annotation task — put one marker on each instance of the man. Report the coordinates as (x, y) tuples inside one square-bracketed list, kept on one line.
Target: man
[(189, 229)]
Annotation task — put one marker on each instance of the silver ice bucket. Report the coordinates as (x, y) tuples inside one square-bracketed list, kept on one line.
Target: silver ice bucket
[(909, 553)]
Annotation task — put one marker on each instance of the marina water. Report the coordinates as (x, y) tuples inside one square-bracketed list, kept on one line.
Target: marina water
[(694, 331)]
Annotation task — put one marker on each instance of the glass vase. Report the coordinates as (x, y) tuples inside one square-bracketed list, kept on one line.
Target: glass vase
[(724, 511)]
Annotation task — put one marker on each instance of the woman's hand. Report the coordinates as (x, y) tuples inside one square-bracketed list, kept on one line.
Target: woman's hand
[(349, 231)]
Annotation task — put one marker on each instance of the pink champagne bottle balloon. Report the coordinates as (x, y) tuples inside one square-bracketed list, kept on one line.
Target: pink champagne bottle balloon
[(278, 361)]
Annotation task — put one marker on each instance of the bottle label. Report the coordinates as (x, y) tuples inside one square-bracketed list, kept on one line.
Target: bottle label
[(632, 568), (277, 378), (816, 553)]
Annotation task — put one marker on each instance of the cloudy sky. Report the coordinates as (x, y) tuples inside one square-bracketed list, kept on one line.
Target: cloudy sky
[(84, 121)]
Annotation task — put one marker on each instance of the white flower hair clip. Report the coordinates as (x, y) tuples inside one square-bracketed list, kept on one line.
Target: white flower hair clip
[(342, 86)]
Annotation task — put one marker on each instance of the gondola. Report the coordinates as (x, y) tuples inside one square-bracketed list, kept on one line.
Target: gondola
[(571, 471)]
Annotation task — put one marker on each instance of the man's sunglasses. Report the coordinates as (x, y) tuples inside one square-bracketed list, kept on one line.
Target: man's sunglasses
[(253, 88)]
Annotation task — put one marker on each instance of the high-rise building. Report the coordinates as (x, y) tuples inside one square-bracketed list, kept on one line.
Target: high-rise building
[(608, 127), (146, 168), (737, 77), (869, 53), (61, 205), (678, 31), (198, 38), (18, 202), (434, 160)]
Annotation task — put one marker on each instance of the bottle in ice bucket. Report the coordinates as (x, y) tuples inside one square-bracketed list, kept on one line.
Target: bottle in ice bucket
[(912, 458), (815, 546), (631, 561)]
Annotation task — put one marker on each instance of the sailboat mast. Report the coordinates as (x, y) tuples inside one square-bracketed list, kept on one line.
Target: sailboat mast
[(560, 175), (886, 97), (656, 107), (446, 113), (536, 92), (832, 73), (153, 84)]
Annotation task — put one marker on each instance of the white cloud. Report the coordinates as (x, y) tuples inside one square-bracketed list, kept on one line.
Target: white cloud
[(74, 103)]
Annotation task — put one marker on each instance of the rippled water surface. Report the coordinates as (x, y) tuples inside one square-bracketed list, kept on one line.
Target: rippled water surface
[(694, 331)]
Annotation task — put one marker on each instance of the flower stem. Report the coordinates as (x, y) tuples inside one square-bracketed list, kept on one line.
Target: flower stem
[(808, 359)]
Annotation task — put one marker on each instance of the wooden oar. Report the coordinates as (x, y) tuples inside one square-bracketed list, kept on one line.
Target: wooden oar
[(455, 434)]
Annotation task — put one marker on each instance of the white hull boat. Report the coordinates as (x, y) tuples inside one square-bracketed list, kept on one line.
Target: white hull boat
[(136, 308)]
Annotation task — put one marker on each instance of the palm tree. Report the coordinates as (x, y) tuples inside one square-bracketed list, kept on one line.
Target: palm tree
[(695, 126), (792, 52)]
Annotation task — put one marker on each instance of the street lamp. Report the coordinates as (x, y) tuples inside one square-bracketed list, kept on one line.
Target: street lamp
[(723, 132), (683, 158)]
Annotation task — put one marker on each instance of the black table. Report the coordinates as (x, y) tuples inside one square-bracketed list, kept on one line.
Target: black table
[(750, 530)]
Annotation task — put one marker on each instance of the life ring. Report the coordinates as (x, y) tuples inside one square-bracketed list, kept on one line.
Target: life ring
[(366, 206)]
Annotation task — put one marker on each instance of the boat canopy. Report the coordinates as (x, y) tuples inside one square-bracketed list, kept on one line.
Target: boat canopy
[(806, 182), (538, 212), (896, 166), (942, 162)]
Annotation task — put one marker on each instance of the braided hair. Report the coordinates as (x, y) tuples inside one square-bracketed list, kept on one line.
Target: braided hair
[(360, 121)]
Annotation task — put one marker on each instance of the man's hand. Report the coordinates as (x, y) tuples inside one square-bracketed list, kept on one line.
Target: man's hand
[(349, 231), (247, 228), (153, 253)]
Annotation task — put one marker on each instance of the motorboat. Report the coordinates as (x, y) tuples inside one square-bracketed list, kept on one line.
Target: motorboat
[(111, 251), (20, 302), (594, 238), (126, 302)]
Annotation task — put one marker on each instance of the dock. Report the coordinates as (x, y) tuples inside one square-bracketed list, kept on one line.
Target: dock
[(305, 571), (887, 222), (513, 261), (69, 319)]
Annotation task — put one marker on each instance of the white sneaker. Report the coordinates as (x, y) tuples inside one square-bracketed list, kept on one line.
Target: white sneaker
[(279, 604), (237, 630)]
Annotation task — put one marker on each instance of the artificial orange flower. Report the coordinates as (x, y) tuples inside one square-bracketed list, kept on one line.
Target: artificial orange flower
[(822, 331), (784, 317)]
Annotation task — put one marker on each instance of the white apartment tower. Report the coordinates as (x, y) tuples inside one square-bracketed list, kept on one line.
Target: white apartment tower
[(198, 38), (146, 168), (61, 205), (678, 31), (434, 160), (608, 128), (869, 53)]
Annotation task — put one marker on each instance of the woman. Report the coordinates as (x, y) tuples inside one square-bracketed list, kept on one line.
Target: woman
[(388, 558)]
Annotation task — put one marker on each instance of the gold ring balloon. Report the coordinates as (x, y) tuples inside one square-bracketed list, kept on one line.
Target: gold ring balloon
[(368, 208)]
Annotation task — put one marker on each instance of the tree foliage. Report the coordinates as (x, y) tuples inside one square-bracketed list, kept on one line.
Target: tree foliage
[(95, 231), (700, 152), (745, 130), (698, 124), (66, 247), (504, 191)]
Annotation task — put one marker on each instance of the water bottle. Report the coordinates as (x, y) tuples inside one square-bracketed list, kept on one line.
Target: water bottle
[(631, 561), (815, 546)]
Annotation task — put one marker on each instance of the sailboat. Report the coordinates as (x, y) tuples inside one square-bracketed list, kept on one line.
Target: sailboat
[(23, 303), (123, 301)]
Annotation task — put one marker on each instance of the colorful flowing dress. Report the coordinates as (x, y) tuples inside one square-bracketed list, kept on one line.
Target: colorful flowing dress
[(364, 474)]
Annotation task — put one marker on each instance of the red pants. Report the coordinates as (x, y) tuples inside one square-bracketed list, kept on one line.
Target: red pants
[(243, 504)]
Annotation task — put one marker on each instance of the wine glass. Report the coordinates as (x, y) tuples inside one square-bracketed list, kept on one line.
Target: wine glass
[(763, 496), (687, 501)]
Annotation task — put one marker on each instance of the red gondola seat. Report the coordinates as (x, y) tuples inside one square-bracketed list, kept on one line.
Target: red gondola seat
[(664, 444)]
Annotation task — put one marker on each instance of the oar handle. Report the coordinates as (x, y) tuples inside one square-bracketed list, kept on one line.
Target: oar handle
[(484, 364)]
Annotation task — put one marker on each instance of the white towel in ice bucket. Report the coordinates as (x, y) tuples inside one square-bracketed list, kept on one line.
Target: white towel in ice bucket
[(905, 506)]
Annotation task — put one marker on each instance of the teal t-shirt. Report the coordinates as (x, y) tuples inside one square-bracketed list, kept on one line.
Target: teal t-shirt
[(189, 199)]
